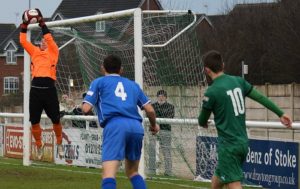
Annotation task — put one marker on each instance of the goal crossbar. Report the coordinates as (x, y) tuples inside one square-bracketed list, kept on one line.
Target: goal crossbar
[(83, 19)]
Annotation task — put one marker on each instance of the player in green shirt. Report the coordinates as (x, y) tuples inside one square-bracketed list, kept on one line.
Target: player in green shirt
[(225, 98)]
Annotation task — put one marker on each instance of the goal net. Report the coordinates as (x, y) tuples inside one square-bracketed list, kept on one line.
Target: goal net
[(161, 51)]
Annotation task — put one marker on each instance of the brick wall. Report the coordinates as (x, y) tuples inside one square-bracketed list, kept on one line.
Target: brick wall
[(11, 71), (187, 101)]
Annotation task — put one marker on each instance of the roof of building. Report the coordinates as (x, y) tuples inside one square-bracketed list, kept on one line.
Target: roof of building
[(254, 6), (79, 8), (5, 32)]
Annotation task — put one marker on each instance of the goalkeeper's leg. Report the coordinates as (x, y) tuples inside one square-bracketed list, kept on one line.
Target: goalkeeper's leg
[(35, 111), (51, 108), (37, 134)]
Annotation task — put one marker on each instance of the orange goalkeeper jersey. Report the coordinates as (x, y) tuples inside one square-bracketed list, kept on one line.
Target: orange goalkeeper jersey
[(43, 63)]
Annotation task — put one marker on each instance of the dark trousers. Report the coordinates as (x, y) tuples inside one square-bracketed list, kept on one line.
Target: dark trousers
[(43, 99), (165, 145)]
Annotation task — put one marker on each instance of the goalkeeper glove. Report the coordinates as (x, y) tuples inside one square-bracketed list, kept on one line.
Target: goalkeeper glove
[(40, 18), (24, 26)]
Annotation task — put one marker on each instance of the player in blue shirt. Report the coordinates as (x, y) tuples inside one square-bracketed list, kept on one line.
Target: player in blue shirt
[(116, 100)]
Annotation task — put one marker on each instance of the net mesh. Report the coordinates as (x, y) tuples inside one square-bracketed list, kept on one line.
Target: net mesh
[(174, 67), (177, 69)]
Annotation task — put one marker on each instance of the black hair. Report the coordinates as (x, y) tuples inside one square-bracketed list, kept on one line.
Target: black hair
[(213, 60), (112, 64), (162, 92)]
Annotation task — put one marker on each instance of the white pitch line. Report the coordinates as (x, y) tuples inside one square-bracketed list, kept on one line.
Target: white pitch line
[(181, 185), (39, 166)]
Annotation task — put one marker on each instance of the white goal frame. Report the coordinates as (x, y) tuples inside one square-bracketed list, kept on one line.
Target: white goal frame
[(138, 63), (138, 58)]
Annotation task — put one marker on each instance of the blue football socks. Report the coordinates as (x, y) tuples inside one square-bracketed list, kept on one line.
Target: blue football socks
[(138, 182), (109, 183)]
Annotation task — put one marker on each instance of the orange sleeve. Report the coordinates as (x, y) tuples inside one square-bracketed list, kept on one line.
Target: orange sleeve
[(52, 47), (28, 46)]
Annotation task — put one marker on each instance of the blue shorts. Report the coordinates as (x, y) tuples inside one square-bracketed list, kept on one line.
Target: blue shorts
[(122, 138)]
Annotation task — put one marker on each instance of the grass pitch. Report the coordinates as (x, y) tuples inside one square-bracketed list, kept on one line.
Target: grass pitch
[(13, 175)]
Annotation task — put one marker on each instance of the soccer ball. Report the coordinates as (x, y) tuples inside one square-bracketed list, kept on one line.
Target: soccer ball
[(31, 16)]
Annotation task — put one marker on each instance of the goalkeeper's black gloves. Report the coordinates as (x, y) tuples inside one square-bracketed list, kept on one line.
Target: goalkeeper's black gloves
[(41, 18), (24, 24), (23, 27)]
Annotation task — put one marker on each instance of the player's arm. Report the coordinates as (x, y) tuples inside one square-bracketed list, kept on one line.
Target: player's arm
[(145, 104), (150, 113), (28, 46), (90, 98), (208, 103), (265, 101), (87, 104), (203, 117), (52, 46)]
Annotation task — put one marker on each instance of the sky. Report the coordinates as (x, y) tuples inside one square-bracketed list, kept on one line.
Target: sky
[(12, 10)]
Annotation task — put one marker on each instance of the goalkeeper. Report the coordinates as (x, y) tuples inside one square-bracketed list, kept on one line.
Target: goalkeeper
[(226, 99), (43, 94)]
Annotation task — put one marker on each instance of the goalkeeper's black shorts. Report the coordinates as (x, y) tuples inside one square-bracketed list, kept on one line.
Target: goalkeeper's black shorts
[(43, 99)]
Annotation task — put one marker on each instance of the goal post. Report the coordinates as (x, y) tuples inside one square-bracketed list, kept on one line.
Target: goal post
[(26, 122)]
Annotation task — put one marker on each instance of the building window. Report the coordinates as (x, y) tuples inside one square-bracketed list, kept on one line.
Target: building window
[(11, 57), (11, 85), (100, 25)]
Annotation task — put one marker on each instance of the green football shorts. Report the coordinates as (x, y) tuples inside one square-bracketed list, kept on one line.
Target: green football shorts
[(230, 161)]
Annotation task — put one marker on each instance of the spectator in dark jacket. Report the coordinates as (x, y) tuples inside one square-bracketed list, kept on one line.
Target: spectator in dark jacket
[(164, 109)]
